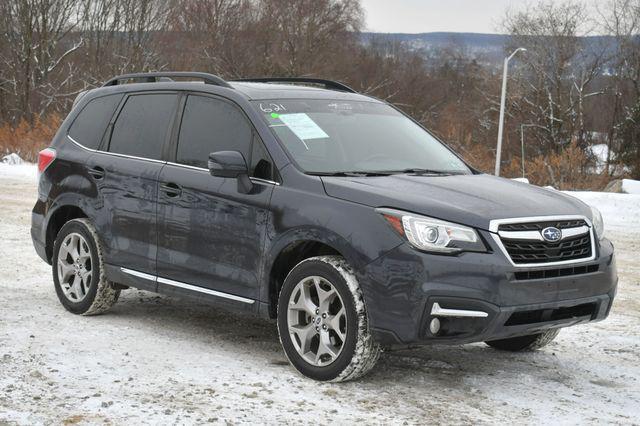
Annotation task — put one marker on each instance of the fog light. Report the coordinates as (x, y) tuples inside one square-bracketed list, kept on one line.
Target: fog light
[(434, 326)]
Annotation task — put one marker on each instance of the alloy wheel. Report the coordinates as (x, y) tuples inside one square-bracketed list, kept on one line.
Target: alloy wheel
[(317, 321), (75, 272)]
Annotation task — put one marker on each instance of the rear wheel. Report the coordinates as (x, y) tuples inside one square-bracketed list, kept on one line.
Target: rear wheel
[(525, 343), (78, 270), (322, 321)]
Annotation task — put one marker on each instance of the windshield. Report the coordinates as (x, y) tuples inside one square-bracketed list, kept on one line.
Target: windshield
[(333, 137)]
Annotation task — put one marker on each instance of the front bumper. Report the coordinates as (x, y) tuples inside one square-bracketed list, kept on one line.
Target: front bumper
[(401, 287)]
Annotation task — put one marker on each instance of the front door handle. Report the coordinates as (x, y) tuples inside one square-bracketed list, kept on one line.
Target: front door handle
[(172, 190), (97, 172)]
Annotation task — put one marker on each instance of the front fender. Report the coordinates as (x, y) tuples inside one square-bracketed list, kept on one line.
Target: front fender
[(307, 234), (354, 230)]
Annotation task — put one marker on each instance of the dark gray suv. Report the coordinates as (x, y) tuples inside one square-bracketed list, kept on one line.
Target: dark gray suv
[(302, 201)]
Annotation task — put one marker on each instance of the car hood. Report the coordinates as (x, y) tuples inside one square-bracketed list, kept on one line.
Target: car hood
[(472, 200)]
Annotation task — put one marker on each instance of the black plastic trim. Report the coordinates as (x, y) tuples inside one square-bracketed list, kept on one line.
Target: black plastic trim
[(328, 84), (154, 77)]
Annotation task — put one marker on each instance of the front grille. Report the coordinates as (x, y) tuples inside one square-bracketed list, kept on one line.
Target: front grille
[(539, 226), (545, 252), (554, 273), (525, 251), (558, 314)]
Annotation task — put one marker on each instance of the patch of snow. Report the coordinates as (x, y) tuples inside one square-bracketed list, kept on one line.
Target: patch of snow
[(631, 186), (161, 360), (523, 180), (12, 159), (620, 212), (600, 151), (19, 171)]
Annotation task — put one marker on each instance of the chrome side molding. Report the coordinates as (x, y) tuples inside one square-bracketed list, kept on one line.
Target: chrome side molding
[(139, 274), (204, 290), (186, 286)]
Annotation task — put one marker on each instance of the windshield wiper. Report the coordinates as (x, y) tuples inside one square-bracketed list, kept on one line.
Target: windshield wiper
[(350, 173), (418, 171)]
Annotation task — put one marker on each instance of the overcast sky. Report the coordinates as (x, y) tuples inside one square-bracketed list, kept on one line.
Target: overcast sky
[(423, 16)]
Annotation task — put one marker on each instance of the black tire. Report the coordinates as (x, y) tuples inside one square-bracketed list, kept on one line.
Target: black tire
[(359, 351), (101, 295), (531, 342)]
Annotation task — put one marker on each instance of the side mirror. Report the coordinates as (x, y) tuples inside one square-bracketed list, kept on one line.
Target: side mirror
[(228, 164), (231, 164)]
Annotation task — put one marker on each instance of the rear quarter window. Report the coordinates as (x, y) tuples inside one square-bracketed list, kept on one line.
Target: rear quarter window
[(88, 127)]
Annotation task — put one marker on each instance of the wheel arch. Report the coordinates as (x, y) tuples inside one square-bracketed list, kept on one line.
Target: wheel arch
[(57, 219), (291, 251)]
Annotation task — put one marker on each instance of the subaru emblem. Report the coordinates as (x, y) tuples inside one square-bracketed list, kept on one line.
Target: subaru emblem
[(551, 234)]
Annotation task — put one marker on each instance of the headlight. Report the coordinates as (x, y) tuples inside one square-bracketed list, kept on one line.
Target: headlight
[(598, 223), (435, 235)]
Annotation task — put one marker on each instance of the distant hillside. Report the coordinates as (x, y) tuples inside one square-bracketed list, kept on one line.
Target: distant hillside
[(489, 48), (444, 38)]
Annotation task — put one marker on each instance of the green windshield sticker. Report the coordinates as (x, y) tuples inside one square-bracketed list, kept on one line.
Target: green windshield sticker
[(303, 126), (275, 115)]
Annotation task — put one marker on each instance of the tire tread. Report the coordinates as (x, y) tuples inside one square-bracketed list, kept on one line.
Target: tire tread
[(106, 295), (367, 351)]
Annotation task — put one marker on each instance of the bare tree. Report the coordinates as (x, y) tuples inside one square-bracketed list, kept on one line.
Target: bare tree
[(139, 22), (557, 72), (622, 19), (35, 51), (217, 33), (306, 35), (100, 31)]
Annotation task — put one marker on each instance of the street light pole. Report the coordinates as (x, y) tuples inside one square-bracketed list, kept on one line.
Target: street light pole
[(522, 146), (502, 106)]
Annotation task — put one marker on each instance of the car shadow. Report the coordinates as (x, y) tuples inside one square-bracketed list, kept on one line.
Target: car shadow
[(209, 325)]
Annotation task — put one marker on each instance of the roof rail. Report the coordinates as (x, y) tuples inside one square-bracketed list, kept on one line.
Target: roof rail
[(328, 84), (153, 77)]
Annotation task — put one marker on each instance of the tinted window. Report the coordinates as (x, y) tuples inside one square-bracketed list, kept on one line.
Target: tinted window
[(260, 161), (89, 126), (142, 125), (211, 125)]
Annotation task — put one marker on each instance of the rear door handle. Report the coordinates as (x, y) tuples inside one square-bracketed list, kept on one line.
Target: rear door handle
[(171, 190), (97, 172)]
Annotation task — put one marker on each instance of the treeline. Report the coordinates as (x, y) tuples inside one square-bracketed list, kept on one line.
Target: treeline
[(568, 96)]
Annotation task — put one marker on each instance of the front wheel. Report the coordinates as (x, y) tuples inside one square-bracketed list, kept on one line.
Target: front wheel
[(530, 342), (322, 321)]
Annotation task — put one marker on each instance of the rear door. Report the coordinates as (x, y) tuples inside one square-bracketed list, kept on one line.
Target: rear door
[(127, 174), (210, 235)]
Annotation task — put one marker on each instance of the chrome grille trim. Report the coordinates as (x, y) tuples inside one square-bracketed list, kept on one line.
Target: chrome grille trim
[(494, 225), (537, 236)]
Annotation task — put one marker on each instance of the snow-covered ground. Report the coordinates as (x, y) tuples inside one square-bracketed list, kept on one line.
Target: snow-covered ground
[(160, 360), (631, 186)]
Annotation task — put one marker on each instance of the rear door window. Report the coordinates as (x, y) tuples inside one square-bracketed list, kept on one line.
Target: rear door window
[(89, 126), (142, 125), (211, 125)]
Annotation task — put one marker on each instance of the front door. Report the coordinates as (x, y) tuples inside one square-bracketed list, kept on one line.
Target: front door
[(210, 234)]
